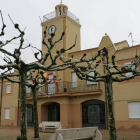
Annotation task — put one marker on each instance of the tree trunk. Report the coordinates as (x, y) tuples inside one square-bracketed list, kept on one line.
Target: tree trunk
[(110, 106), (35, 113), (23, 102)]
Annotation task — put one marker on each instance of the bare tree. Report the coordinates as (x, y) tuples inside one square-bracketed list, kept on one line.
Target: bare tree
[(117, 75), (23, 68), (36, 82)]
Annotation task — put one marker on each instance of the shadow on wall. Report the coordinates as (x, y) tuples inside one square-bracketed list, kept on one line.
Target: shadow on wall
[(132, 128)]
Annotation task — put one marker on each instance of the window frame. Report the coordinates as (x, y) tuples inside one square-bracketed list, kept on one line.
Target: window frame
[(6, 88), (28, 88), (91, 83), (5, 117), (128, 74), (132, 116), (74, 84)]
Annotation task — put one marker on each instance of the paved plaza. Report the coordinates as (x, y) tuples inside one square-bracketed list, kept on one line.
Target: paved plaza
[(10, 133)]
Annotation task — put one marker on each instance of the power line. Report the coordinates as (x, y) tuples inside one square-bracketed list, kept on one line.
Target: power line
[(70, 57)]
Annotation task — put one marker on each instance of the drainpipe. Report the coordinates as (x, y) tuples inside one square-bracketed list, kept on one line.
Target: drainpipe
[(1, 99)]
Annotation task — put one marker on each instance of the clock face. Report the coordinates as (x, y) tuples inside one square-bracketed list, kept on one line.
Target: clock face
[(52, 30)]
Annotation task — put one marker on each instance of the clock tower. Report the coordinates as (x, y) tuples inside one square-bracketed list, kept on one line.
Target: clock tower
[(58, 21)]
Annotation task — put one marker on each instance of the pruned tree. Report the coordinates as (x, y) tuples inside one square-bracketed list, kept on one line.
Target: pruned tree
[(13, 61), (117, 75), (36, 82)]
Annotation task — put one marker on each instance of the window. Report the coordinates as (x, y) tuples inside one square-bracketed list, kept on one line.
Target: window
[(7, 113), (134, 109), (28, 89), (51, 86), (8, 88), (89, 82), (74, 80), (129, 73), (39, 80)]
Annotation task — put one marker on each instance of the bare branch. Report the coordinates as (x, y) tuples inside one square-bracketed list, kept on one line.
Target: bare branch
[(3, 26), (13, 81)]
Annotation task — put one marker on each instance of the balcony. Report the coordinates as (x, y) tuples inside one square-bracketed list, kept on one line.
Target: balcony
[(68, 88), (53, 15)]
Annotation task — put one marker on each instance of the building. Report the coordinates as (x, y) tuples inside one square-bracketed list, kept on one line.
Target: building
[(73, 102)]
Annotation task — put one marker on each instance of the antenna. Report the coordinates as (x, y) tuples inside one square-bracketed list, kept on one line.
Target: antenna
[(132, 38)]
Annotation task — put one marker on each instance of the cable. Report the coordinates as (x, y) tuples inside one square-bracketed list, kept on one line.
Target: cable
[(72, 58)]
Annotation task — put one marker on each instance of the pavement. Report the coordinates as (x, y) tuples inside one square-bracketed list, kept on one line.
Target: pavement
[(11, 133)]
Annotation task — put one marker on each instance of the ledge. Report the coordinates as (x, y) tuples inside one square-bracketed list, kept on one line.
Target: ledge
[(69, 94)]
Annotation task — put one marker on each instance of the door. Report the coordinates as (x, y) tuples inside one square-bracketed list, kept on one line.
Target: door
[(93, 114), (54, 112), (29, 115)]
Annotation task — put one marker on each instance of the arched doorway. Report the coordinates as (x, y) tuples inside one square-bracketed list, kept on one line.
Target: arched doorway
[(54, 112), (29, 115), (93, 114)]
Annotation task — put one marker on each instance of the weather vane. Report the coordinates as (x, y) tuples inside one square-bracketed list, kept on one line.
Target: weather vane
[(61, 2)]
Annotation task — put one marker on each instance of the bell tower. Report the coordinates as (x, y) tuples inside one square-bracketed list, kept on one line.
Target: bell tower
[(61, 9), (62, 19)]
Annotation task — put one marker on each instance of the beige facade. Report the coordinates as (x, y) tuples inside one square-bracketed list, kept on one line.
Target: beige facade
[(73, 100)]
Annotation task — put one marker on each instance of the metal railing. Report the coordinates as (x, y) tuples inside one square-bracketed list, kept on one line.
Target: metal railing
[(72, 16), (49, 16), (53, 15), (68, 87)]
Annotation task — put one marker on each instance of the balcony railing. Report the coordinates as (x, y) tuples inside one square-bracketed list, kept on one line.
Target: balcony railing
[(53, 15), (49, 16), (68, 87)]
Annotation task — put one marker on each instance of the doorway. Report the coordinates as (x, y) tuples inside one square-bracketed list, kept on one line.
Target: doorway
[(30, 115), (54, 112), (93, 114)]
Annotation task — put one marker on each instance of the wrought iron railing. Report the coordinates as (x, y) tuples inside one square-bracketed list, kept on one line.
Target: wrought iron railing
[(68, 87), (53, 15)]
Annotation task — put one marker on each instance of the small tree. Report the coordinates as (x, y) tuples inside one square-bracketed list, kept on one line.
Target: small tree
[(117, 75)]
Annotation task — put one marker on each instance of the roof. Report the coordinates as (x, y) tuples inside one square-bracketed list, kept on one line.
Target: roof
[(120, 42)]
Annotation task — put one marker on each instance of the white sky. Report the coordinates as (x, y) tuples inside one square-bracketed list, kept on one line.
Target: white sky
[(117, 18)]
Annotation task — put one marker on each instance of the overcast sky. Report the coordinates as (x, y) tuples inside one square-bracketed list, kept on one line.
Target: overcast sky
[(117, 18)]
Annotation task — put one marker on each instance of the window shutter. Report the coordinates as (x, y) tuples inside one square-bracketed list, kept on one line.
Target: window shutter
[(74, 79), (134, 109), (8, 88), (7, 113)]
